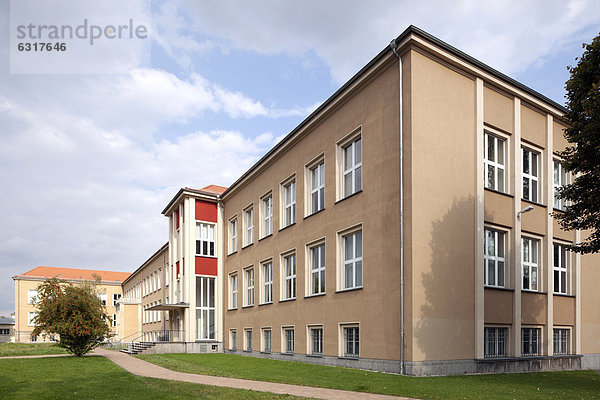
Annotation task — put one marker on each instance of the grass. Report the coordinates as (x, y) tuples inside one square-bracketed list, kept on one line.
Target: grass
[(541, 385), (95, 377), (29, 349)]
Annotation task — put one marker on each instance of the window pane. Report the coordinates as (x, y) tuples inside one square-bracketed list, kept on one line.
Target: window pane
[(526, 188), (500, 273), (358, 151), (525, 162), (563, 282), (358, 274), (500, 151), (534, 251), (358, 236), (358, 179), (534, 278), (500, 180), (534, 158), (349, 248), (314, 178), (534, 191), (348, 184), (321, 198), (490, 148), (500, 245), (526, 278), (315, 201), (491, 272), (348, 276), (348, 157), (490, 177)]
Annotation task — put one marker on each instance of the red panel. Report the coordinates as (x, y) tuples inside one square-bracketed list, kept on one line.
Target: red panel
[(206, 211), (206, 266), (177, 269), (176, 216)]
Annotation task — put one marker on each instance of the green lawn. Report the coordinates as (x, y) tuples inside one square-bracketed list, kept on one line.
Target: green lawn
[(543, 385), (96, 377), (29, 349)]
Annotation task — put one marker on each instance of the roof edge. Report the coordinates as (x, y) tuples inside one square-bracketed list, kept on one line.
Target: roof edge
[(152, 257)]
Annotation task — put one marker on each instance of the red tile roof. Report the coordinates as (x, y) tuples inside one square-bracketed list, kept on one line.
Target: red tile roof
[(74, 273), (213, 189)]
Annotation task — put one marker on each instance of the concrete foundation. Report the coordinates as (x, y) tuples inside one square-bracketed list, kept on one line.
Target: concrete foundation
[(185, 347), (590, 361)]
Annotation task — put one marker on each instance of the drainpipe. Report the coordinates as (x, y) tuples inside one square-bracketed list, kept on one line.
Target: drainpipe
[(394, 46)]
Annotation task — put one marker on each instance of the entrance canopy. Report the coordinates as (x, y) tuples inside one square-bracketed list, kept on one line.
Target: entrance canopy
[(167, 307)]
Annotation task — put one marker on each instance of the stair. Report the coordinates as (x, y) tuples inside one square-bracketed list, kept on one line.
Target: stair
[(138, 347)]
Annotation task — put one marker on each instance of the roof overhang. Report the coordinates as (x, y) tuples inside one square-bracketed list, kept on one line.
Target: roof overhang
[(167, 307), (183, 192)]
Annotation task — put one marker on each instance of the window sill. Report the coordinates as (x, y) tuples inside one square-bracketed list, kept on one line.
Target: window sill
[(287, 226), (232, 253), (284, 300), (249, 306), (232, 309), (315, 355), (287, 354), (265, 304), (316, 212), (247, 351), (533, 291), (201, 255), (265, 352), (560, 210), (265, 237), (347, 197), (349, 289), (498, 288), (314, 295), (499, 192), (248, 245), (534, 203), (348, 358), (564, 295)]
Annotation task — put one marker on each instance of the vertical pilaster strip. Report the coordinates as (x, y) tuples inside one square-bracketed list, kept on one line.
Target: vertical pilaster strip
[(548, 258), (479, 215), (220, 287), (189, 246), (577, 296), (516, 242)]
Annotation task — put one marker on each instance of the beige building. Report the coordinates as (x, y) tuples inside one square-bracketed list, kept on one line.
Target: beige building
[(406, 226), (109, 291), (7, 330)]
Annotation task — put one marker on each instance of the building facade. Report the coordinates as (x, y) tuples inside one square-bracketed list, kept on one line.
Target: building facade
[(26, 284), (7, 330)]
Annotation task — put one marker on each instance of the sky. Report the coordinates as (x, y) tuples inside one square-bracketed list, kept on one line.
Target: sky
[(89, 161)]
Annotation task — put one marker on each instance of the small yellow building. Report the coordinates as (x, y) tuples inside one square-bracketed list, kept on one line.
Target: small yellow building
[(26, 285)]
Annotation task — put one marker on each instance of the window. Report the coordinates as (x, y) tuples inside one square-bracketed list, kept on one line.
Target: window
[(249, 226), (116, 298), (352, 260), (233, 235), (351, 341), (249, 276), (233, 290), (352, 166), (267, 278), (232, 339), (4, 331), (205, 240), (289, 273), (205, 308), (266, 344), (530, 341), (317, 269), (493, 162), (561, 264), (114, 320), (495, 341), (316, 340), (560, 180), (288, 340), (30, 316), (103, 298), (530, 175), (529, 263), (561, 340), (248, 339), (267, 215), (494, 261), (317, 187), (31, 296), (289, 203)]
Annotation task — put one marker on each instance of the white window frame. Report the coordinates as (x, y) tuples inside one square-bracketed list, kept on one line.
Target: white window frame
[(249, 279), (289, 276), (288, 192), (266, 333), (248, 226), (310, 340), (266, 215), (531, 341), (496, 259), (116, 297), (206, 234), (561, 340), (30, 316), (233, 291), (248, 339), (233, 235), (560, 178), (560, 269), (343, 334), (312, 188), (288, 346), (103, 299), (312, 269), (500, 337), (32, 296), (206, 313), (499, 169), (266, 279), (530, 263), (532, 177), (353, 169), (233, 339), (114, 320), (355, 262)]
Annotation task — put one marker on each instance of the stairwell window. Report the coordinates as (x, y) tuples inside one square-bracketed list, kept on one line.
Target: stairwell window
[(529, 263), (494, 257), (494, 161), (561, 266), (530, 174), (205, 240)]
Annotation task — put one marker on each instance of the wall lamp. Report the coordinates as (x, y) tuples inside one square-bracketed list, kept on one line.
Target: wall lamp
[(523, 211)]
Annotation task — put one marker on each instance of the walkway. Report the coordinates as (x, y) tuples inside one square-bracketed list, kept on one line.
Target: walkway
[(143, 368)]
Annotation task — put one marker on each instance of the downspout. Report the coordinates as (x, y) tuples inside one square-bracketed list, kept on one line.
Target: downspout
[(394, 46)]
